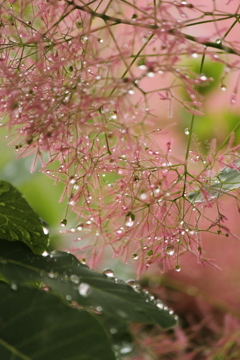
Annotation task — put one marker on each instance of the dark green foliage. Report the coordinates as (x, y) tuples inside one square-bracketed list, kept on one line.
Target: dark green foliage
[(18, 221), (54, 307), (37, 325)]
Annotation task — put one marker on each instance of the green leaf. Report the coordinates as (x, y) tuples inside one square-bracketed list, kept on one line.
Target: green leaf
[(65, 275), (228, 179), (18, 221), (119, 332), (36, 325)]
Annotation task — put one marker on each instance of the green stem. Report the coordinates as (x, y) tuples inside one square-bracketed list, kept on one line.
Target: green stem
[(108, 148), (190, 136), (13, 350), (231, 27), (228, 137)]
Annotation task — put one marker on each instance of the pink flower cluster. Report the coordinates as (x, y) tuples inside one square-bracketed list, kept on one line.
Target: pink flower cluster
[(79, 81)]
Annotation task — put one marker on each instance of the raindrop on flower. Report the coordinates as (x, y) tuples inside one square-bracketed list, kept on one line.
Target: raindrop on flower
[(109, 273), (135, 256), (84, 38), (72, 180), (143, 196), (170, 250), (223, 87), (177, 268), (129, 220), (150, 74), (120, 230), (63, 222), (113, 116), (156, 191), (218, 41), (80, 227), (142, 67), (203, 77), (186, 131), (84, 289)]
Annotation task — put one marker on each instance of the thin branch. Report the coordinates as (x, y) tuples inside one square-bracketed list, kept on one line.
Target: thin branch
[(115, 20)]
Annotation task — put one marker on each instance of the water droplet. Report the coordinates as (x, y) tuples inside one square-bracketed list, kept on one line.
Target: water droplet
[(142, 67), (135, 285), (83, 261), (122, 314), (120, 230), (80, 227), (131, 92), (143, 196), (203, 77), (68, 297), (99, 309), (13, 286), (63, 222), (84, 38), (109, 273), (45, 230), (223, 87), (51, 275), (177, 268), (159, 304), (186, 131), (113, 331), (218, 41), (74, 278), (45, 253), (72, 180), (150, 74), (126, 348), (84, 289), (113, 116), (119, 281), (135, 256), (195, 55), (129, 220)]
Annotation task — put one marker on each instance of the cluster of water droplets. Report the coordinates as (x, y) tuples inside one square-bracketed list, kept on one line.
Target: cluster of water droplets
[(136, 286)]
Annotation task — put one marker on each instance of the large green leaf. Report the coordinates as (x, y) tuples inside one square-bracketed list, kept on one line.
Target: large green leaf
[(36, 325), (228, 179), (18, 221), (65, 275)]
